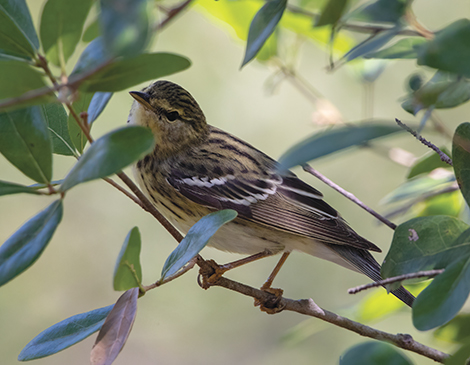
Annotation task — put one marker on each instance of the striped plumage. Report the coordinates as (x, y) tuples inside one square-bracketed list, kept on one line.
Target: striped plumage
[(197, 168)]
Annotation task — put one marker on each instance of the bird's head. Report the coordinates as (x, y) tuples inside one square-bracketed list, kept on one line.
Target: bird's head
[(172, 114)]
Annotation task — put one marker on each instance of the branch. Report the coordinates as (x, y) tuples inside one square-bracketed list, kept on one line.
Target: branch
[(172, 13), (414, 275), (348, 195)]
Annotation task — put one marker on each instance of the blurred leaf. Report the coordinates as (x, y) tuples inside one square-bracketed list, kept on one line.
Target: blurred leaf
[(374, 353), (128, 72), (302, 331), (461, 158), (7, 188), (124, 25), (56, 119), (17, 34), (64, 334), (333, 140), (115, 331), (444, 297), (449, 50), (110, 154), (128, 263), (81, 104), (91, 32), (97, 105), (262, 26), (26, 143), (456, 331), (382, 11), (195, 240), (460, 357), (376, 305), (405, 48), (93, 56), (332, 12), (61, 28), (25, 246), (444, 204), (428, 163)]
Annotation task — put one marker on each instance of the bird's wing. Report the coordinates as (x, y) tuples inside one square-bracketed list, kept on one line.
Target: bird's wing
[(283, 202)]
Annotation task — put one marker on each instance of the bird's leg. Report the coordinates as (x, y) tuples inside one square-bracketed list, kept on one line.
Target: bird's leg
[(269, 281)]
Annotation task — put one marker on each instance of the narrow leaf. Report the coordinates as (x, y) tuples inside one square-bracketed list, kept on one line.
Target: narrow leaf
[(7, 188), (110, 154), (77, 136), (61, 27), (128, 272), (405, 49), (461, 158), (26, 143), (56, 119), (333, 140), (332, 12), (97, 105), (25, 246), (91, 32), (115, 331), (382, 11), (374, 353), (195, 240), (64, 334), (262, 26)]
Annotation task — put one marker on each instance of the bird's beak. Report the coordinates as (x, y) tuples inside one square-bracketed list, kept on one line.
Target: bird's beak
[(141, 97)]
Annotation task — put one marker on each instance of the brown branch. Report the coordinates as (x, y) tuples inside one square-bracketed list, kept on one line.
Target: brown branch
[(172, 13), (348, 195), (414, 275), (441, 154)]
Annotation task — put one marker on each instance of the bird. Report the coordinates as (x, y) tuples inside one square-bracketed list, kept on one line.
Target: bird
[(196, 169)]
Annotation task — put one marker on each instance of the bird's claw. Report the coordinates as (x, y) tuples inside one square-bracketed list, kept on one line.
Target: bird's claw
[(209, 274), (272, 304)]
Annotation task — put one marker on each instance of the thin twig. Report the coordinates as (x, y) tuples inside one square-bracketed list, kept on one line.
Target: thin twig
[(183, 271), (441, 154), (414, 275), (172, 13), (348, 195)]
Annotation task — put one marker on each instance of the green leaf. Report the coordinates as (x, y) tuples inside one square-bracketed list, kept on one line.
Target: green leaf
[(65, 334), (61, 28), (124, 25), (460, 356), (405, 49), (195, 240), (97, 105), (262, 26), (376, 306), (91, 32), (56, 119), (455, 331), (332, 12), (77, 136), (128, 272), (17, 34), (444, 297), (382, 11), (7, 188), (124, 73), (25, 246), (374, 353), (110, 154), (333, 140), (461, 158), (449, 50), (115, 331), (26, 143), (93, 56), (443, 204), (427, 163)]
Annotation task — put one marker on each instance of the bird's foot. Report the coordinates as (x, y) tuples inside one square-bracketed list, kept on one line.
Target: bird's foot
[(272, 304), (210, 273)]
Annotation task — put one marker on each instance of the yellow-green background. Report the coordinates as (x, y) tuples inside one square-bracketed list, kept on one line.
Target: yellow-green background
[(180, 323)]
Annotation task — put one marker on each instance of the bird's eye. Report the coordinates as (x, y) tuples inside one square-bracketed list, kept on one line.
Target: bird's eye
[(172, 116)]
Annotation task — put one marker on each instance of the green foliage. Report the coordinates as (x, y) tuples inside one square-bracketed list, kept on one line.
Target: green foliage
[(405, 49), (97, 104), (77, 136), (374, 353), (461, 154), (128, 272), (381, 11), (7, 188), (65, 334), (428, 163), (332, 12), (56, 119)]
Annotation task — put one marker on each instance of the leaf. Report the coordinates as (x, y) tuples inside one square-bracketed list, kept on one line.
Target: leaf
[(455, 331), (332, 12), (17, 34), (460, 356), (195, 240), (405, 49), (427, 163), (333, 140), (124, 73), (443, 204), (56, 119), (128, 272), (81, 104), (110, 154), (449, 50), (91, 32), (262, 26), (461, 158), (25, 246), (61, 28), (93, 56), (374, 353), (7, 188), (64, 334), (125, 26), (26, 143), (97, 105), (376, 306), (382, 11), (115, 331)]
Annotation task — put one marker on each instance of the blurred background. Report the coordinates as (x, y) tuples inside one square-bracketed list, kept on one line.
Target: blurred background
[(180, 323)]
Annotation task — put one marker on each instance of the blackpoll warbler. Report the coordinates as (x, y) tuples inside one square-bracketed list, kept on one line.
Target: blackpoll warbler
[(196, 169)]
